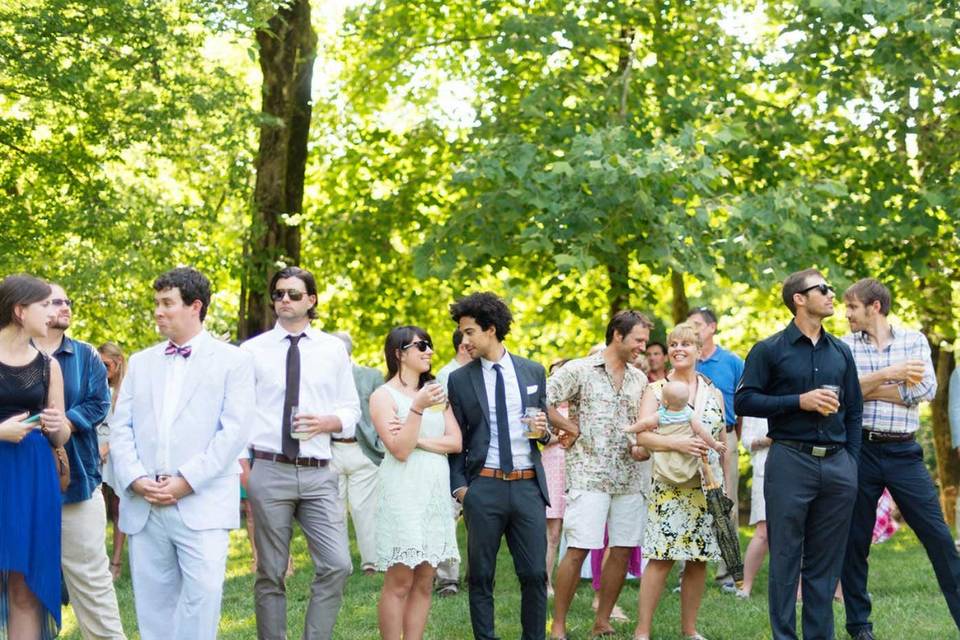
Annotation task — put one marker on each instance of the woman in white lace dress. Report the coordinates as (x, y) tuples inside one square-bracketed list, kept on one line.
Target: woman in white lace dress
[(415, 527)]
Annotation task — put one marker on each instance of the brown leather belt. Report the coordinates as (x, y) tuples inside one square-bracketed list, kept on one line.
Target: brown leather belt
[(886, 436), (343, 440), (279, 457), (519, 474)]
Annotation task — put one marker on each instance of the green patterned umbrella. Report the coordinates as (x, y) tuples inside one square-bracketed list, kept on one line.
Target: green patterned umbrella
[(719, 506)]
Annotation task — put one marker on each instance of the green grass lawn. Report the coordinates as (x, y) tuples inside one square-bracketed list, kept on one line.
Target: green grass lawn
[(907, 602)]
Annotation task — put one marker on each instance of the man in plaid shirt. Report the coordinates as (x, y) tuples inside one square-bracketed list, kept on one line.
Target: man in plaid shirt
[(896, 375)]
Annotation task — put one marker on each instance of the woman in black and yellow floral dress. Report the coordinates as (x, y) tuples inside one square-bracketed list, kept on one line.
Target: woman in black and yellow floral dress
[(678, 525)]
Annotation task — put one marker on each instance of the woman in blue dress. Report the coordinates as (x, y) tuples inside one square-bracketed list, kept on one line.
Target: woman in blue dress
[(415, 527), (30, 384)]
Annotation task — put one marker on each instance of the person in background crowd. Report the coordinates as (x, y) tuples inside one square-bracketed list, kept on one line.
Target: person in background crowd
[(116, 364), (896, 375), (179, 427), (86, 568), (756, 442), (657, 361), (679, 527), (31, 421), (553, 457), (304, 394), (358, 473), (415, 527), (605, 485), (724, 370), (448, 572), (498, 477), (804, 381), (953, 410)]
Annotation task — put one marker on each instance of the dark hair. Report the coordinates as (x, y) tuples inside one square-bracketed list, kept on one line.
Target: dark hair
[(657, 343), (192, 284), (396, 340), (20, 289), (457, 340), (705, 312), (623, 323), (556, 364), (869, 291), (795, 283), (305, 277), (487, 309)]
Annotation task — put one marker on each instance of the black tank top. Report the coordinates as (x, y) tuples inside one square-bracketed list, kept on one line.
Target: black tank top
[(22, 388)]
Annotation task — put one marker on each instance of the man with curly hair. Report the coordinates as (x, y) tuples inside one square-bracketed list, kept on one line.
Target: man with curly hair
[(498, 477)]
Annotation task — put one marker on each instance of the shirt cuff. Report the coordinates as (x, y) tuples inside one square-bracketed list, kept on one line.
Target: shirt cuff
[(348, 424), (906, 396)]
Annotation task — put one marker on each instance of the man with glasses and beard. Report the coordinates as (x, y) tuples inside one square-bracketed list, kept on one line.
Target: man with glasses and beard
[(304, 394), (83, 551), (804, 381)]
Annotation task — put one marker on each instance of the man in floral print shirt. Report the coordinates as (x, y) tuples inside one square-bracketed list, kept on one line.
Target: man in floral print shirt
[(604, 484)]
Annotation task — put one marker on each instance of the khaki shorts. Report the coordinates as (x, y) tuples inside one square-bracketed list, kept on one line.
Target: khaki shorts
[(589, 512)]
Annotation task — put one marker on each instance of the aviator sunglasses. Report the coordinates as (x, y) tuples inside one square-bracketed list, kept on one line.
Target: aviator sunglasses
[(296, 296), (422, 345)]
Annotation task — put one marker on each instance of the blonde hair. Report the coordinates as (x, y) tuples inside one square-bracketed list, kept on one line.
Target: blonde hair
[(112, 351), (685, 331)]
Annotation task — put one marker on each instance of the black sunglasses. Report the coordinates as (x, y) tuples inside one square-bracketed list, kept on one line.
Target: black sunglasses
[(61, 302), (823, 288), (277, 294), (422, 345)]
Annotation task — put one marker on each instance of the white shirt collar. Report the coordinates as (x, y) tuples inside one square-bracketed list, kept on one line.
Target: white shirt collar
[(506, 362), (281, 334)]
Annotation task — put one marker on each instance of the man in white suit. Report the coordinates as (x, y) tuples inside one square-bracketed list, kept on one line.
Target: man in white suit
[(179, 429)]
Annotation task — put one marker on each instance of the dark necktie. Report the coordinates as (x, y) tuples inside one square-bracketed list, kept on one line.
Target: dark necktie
[(503, 422), (291, 398)]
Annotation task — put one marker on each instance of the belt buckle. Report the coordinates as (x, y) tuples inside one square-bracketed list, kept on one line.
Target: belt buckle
[(161, 477), (819, 452)]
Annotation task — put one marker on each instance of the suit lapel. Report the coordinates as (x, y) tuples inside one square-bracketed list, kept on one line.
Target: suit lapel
[(518, 368), (158, 375), (480, 388), (194, 375)]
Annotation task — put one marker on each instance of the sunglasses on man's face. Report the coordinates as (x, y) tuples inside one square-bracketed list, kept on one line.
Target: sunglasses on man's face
[(61, 302), (422, 345), (823, 288), (295, 295)]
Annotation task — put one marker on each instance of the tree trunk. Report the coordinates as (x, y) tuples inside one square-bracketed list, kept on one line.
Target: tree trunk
[(679, 306), (618, 295), (287, 51), (948, 464)]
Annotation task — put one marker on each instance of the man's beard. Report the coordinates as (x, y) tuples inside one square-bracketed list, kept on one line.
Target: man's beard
[(62, 325)]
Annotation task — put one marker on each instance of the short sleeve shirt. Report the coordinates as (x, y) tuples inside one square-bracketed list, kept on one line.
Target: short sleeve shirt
[(600, 460)]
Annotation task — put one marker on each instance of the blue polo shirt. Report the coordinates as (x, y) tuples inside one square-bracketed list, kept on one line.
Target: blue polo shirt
[(724, 369), (87, 400)]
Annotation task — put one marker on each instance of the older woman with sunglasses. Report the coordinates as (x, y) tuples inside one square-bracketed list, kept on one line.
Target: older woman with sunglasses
[(415, 526)]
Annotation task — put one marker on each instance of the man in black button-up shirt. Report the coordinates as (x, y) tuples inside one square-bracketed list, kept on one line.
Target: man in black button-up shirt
[(804, 381)]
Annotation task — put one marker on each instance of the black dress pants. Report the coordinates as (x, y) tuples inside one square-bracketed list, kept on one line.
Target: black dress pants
[(493, 508), (809, 503), (899, 467)]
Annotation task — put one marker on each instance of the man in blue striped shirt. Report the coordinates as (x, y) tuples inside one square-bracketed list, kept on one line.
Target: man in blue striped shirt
[(896, 375)]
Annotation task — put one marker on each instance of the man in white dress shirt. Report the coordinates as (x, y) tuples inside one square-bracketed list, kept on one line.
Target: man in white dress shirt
[(299, 367), (179, 427)]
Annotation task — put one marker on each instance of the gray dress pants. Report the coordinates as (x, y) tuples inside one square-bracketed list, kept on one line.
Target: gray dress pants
[(279, 494)]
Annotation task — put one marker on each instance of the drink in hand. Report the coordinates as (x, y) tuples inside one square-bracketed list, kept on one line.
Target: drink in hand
[(529, 418)]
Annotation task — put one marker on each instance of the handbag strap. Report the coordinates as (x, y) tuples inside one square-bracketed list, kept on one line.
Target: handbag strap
[(46, 380)]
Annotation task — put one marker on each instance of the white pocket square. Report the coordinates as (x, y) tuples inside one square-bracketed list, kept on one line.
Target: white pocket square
[(532, 388)]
